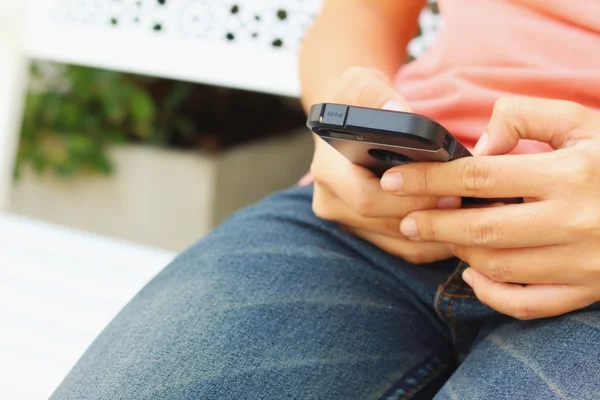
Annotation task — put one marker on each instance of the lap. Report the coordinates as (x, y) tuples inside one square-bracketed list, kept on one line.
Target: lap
[(273, 304), (557, 358), (276, 303)]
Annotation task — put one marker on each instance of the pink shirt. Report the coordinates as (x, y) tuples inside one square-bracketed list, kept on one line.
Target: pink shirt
[(490, 48)]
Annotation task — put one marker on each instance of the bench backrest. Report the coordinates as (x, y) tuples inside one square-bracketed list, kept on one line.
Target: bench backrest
[(248, 44)]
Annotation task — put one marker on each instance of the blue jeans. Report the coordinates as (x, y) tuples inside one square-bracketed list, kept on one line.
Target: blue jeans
[(278, 304)]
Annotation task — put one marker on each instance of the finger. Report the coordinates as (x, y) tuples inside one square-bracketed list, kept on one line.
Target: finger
[(534, 265), (528, 302), (365, 195), (358, 187), (415, 253), (360, 190), (367, 87), (480, 177), (509, 226), (328, 206), (555, 122)]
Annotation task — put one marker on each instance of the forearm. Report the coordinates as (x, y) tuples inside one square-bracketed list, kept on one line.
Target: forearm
[(366, 33)]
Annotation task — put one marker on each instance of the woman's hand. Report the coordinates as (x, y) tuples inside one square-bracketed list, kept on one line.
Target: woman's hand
[(352, 196), (531, 260)]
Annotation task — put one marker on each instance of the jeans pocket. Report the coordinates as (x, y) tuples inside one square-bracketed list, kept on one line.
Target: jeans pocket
[(456, 304)]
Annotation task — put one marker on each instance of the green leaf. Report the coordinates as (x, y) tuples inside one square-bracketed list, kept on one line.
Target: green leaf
[(67, 129), (113, 110), (68, 118), (142, 106), (65, 170), (79, 144), (103, 164), (175, 97)]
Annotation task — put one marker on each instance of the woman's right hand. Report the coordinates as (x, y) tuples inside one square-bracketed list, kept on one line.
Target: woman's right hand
[(352, 196)]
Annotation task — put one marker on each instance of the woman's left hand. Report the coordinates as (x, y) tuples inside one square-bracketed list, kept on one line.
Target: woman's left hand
[(532, 260)]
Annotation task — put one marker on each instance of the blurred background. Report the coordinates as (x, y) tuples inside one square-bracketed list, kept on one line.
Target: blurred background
[(150, 160), (144, 155), (128, 130), (118, 139)]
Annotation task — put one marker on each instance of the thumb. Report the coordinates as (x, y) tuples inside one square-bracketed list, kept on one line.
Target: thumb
[(555, 122), (367, 87)]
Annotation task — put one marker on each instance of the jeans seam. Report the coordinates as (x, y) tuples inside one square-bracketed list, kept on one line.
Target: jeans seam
[(450, 311), (461, 296), (443, 295), (454, 284), (463, 289), (434, 364), (420, 385), (445, 303)]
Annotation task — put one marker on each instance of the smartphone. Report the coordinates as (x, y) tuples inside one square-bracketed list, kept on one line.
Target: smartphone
[(380, 139)]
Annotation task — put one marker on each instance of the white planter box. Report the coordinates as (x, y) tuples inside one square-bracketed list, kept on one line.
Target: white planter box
[(166, 198)]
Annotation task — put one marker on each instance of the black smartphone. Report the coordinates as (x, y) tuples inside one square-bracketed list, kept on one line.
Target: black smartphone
[(380, 139)]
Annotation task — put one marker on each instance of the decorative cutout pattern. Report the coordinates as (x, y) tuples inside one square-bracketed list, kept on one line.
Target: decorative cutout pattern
[(273, 24), (278, 24), (430, 23)]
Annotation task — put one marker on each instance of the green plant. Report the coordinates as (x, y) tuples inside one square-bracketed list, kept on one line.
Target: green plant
[(70, 119), (74, 114)]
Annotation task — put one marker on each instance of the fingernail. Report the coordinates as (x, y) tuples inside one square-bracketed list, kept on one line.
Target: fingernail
[(481, 144), (408, 227), (391, 105), (467, 277), (392, 182), (449, 202)]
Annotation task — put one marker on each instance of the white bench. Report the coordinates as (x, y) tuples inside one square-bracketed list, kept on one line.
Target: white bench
[(60, 287)]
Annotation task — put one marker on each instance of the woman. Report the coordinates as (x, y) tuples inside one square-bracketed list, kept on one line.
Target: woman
[(360, 288)]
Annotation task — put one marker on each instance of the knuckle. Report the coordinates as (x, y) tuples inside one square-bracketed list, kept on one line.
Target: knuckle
[(316, 170), (477, 178), (575, 112), (498, 269), (361, 86), (426, 229), (320, 206), (352, 73), (416, 255), (589, 266), (581, 170), (506, 106), (367, 92), (583, 222), (463, 254), (362, 201), (483, 233), (425, 181), (391, 227), (357, 73), (572, 116), (524, 312), (363, 205)]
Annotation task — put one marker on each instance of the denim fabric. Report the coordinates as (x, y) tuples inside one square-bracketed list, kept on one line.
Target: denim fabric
[(277, 304)]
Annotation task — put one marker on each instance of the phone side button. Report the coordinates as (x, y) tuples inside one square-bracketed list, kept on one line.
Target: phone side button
[(346, 136), (335, 114)]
